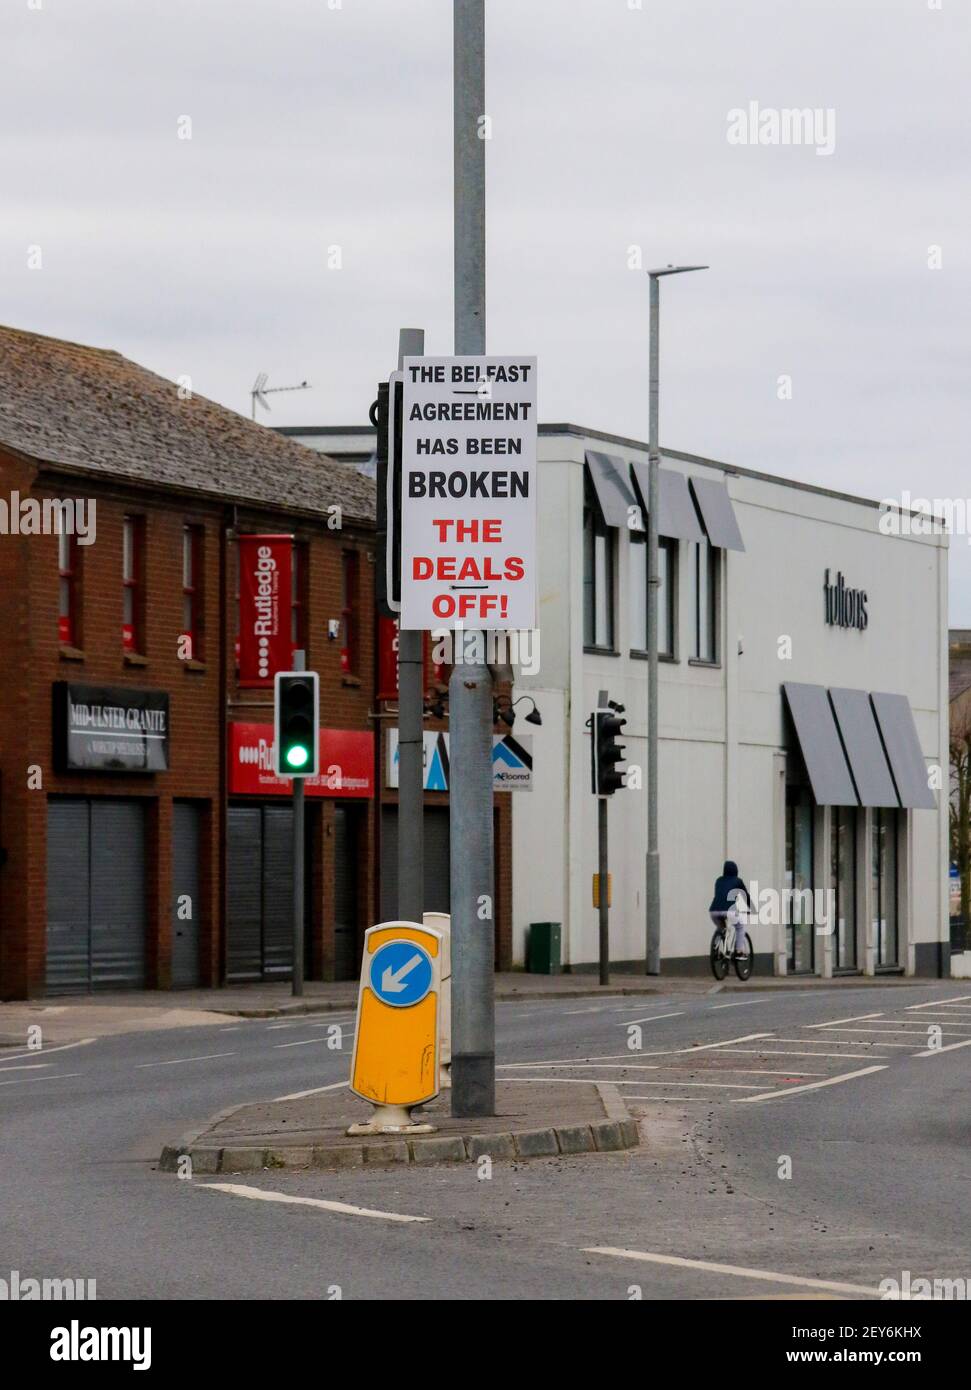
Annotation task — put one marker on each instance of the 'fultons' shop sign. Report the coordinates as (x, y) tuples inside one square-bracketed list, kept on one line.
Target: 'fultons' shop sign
[(108, 728)]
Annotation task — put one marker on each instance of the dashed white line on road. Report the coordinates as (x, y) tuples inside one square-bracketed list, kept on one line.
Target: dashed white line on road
[(257, 1194), (812, 1085), (56, 1076), (741, 1004), (178, 1061), (304, 1042), (31, 1066), (790, 1052), (739, 1271), (651, 1018), (948, 1047)]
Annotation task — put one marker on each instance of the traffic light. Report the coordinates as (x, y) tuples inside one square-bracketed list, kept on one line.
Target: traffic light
[(386, 417), (296, 716), (606, 725)]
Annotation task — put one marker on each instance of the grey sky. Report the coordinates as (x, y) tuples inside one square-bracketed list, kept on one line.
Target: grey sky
[(315, 127)]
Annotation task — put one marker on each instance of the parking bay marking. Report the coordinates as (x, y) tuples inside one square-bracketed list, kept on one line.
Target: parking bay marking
[(739, 1271), (812, 1085), (949, 1047), (257, 1194)]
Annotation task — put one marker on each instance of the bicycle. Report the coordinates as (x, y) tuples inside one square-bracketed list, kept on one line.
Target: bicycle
[(731, 944)]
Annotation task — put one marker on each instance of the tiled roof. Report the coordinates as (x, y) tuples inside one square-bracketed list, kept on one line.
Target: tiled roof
[(91, 410)]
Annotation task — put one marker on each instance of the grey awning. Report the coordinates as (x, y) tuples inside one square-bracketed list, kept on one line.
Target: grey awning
[(863, 747), (677, 519), (819, 741), (717, 513), (902, 746), (611, 482)]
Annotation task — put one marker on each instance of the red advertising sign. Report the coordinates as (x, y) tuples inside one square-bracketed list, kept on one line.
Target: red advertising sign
[(265, 644), (346, 763), (387, 659)]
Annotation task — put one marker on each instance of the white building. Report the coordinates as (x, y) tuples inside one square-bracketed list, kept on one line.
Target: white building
[(803, 711), (767, 756)]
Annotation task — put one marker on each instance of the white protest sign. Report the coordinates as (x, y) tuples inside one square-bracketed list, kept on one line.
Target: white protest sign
[(468, 492)]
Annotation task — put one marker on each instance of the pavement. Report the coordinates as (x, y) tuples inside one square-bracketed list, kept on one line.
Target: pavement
[(807, 1144), (107, 1013), (310, 1130)]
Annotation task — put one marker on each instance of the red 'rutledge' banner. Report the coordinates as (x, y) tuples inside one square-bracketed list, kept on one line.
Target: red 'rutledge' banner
[(265, 646), (346, 763)]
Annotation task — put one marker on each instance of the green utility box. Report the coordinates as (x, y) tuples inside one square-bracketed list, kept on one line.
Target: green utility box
[(543, 948)]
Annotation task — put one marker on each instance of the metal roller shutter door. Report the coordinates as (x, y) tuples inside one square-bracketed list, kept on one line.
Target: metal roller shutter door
[(244, 893), (118, 894), (186, 831), (278, 891), (96, 919), (68, 897)]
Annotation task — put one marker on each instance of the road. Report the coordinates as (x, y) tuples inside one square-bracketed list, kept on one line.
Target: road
[(804, 1144)]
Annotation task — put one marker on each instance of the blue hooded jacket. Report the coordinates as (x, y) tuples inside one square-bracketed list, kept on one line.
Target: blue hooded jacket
[(727, 888)]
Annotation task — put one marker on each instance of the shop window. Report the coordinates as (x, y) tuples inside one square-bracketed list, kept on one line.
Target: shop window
[(193, 540), (800, 905), (843, 879), (298, 589), (704, 560), (599, 545), (883, 869), (132, 581), (349, 613), (666, 559), (68, 605)]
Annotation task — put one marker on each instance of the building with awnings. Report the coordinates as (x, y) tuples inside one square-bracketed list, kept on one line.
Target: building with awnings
[(803, 715)]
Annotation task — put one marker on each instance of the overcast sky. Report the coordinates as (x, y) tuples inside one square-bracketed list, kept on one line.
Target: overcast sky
[(318, 124)]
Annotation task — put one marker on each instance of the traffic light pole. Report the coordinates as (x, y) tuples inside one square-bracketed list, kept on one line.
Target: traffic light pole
[(652, 897), (470, 685), (299, 664), (603, 901)]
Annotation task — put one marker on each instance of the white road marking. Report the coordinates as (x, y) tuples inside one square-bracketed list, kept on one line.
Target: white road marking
[(57, 1076), (903, 1032), (46, 1051), (812, 1085), (234, 1029), (651, 1018), (740, 1271), (789, 1052), (949, 1047), (619, 1056), (257, 1194), (703, 1047), (833, 1023), (31, 1066), (936, 1004), (179, 1061), (742, 1004), (305, 1042), (299, 1095), (701, 1085)]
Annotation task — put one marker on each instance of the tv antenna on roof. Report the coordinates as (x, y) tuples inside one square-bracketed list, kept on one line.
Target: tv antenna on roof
[(259, 391)]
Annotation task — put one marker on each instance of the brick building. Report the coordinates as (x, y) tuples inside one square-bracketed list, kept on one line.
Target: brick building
[(142, 842)]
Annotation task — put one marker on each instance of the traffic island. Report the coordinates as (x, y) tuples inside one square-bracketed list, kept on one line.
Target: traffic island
[(532, 1121)]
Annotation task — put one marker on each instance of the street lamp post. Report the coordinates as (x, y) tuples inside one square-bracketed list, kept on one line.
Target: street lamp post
[(653, 893)]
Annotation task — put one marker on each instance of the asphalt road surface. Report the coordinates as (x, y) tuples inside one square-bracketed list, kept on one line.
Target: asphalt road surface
[(796, 1144)]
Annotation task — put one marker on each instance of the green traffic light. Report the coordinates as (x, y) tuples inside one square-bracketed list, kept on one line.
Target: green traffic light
[(297, 756)]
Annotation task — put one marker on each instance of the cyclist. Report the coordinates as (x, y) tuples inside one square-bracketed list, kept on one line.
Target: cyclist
[(728, 889)]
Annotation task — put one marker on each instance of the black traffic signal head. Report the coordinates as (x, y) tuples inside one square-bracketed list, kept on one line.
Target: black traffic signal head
[(296, 711), (606, 726)]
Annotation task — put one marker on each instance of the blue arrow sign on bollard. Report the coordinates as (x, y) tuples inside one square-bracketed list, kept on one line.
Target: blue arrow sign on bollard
[(401, 973)]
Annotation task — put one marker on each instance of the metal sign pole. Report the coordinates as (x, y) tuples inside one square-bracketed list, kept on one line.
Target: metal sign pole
[(411, 793), (652, 897), (299, 664), (470, 686)]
